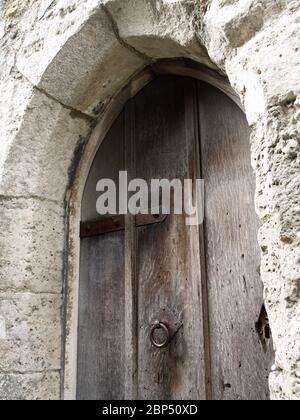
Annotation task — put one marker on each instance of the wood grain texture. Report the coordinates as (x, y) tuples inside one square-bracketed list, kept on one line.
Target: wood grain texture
[(101, 333), (168, 270), (109, 160), (201, 281), (240, 367), (131, 295)]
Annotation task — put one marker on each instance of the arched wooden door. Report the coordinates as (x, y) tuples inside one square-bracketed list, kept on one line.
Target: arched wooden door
[(202, 282)]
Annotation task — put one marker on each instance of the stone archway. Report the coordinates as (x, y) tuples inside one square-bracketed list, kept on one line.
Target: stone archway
[(62, 79)]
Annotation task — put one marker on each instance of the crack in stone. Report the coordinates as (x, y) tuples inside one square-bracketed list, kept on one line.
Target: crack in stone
[(4, 197), (29, 372), (46, 10), (125, 44), (13, 291), (77, 113)]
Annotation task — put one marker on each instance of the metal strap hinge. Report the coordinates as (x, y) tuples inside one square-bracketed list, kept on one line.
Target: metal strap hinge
[(116, 224)]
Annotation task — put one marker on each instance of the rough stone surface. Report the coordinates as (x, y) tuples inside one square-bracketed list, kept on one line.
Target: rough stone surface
[(276, 154), (30, 386), (61, 62), (29, 226), (50, 137), (92, 53), (32, 340), (161, 29)]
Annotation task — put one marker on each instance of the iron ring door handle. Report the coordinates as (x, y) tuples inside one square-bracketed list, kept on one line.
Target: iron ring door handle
[(158, 326)]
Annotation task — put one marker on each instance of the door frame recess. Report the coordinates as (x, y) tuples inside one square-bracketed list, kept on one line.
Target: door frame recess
[(176, 67)]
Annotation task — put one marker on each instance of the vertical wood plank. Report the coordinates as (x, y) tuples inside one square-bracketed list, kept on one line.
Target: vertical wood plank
[(109, 160), (101, 319), (240, 367), (101, 332), (131, 294), (202, 254), (168, 266)]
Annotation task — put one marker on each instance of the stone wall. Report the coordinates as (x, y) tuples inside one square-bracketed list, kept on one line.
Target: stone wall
[(62, 62)]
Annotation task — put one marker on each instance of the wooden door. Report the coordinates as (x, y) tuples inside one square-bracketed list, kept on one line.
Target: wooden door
[(201, 282)]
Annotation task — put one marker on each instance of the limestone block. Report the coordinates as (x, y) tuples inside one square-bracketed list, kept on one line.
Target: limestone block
[(83, 73), (255, 42), (160, 29), (15, 95), (284, 386), (30, 386), (33, 332), (259, 71), (276, 159), (229, 24), (31, 245), (40, 161)]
